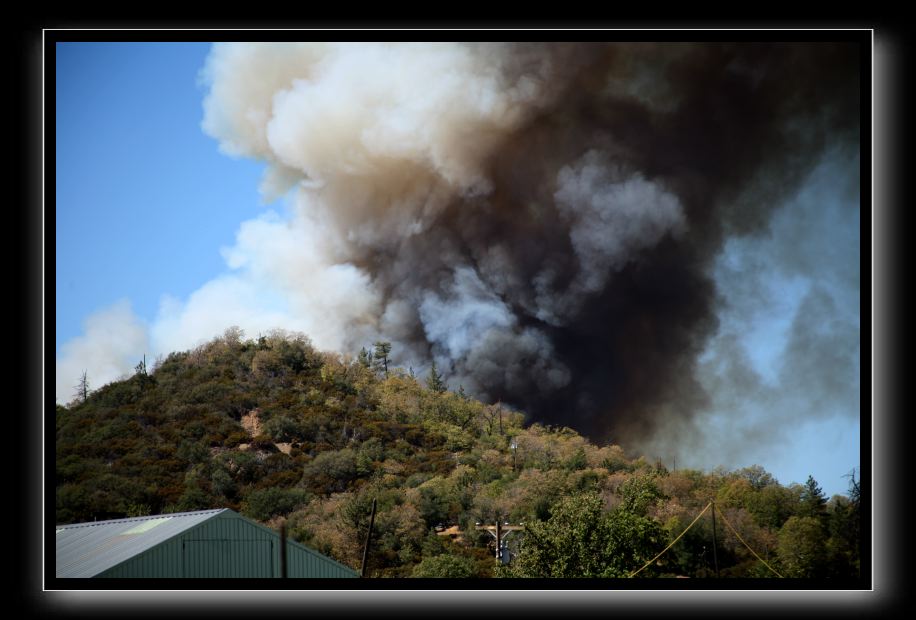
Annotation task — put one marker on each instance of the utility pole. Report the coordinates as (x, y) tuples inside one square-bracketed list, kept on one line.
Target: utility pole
[(362, 570), (500, 532), (715, 559)]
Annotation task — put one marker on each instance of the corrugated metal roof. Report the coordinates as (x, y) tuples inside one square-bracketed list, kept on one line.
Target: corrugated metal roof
[(87, 549)]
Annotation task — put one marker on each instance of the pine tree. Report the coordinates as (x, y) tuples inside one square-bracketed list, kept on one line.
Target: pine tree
[(82, 388), (382, 349), (364, 358), (434, 381), (813, 501), (141, 367)]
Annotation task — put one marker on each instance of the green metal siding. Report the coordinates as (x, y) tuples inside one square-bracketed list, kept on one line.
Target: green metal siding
[(163, 560), (303, 562), (227, 546), (227, 558)]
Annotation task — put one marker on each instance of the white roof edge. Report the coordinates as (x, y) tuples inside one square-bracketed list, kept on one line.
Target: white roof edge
[(213, 511)]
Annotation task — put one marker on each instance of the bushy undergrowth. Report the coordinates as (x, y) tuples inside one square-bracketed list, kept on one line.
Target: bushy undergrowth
[(336, 433)]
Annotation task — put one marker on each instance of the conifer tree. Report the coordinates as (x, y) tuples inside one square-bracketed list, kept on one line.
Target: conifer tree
[(82, 388), (141, 367), (813, 501), (434, 381), (382, 349)]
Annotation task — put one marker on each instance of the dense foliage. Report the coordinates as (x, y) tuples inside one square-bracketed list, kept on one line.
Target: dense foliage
[(275, 429)]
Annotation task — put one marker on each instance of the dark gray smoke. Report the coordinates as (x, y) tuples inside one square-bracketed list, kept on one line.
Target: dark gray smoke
[(540, 219)]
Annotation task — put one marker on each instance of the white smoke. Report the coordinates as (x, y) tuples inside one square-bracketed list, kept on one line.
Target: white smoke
[(375, 128), (111, 346), (471, 328), (469, 202), (611, 216), (465, 315), (375, 138), (382, 137), (281, 278)]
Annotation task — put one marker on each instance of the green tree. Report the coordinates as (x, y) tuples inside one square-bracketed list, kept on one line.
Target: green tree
[(331, 471), (380, 357), (445, 565), (842, 542), (262, 504), (813, 501), (638, 493), (140, 368), (802, 551), (772, 505), (577, 461), (283, 427), (434, 381), (433, 505), (580, 539), (757, 476), (843, 533)]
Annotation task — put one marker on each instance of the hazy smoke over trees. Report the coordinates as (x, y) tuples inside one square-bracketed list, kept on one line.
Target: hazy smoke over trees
[(540, 219), (589, 232)]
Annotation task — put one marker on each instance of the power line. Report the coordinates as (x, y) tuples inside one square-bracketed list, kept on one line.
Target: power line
[(721, 514), (633, 574), (730, 526)]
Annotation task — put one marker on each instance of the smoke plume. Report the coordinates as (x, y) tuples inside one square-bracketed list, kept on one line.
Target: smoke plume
[(543, 220), (105, 352)]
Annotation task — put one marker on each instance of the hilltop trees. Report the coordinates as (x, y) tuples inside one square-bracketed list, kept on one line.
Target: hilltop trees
[(82, 389), (801, 549), (843, 532), (581, 539), (446, 565), (803, 537), (434, 381), (274, 429), (813, 502), (380, 357), (364, 358)]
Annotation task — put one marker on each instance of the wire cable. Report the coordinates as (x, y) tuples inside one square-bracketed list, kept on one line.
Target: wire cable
[(735, 532), (633, 574)]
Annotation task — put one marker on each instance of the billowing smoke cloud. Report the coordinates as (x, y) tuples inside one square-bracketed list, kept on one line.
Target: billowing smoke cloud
[(544, 220), (583, 231), (105, 352), (785, 361)]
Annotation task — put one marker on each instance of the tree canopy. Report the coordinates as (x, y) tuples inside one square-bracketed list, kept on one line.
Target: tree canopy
[(274, 428)]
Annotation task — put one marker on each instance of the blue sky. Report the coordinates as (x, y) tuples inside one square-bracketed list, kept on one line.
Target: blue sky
[(144, 199), (153, 220)]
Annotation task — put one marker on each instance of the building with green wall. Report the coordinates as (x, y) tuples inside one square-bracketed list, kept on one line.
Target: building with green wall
[(207, 543)]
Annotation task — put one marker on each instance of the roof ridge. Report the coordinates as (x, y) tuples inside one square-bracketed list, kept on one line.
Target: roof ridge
[(140, 518)]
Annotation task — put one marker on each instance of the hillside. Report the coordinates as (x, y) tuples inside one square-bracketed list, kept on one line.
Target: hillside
[(275, 429)]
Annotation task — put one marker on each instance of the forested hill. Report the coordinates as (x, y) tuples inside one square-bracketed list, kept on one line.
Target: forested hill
[(275, 429)]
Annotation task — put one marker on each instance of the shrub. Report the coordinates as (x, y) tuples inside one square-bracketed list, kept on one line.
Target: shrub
[(263, 504), (445, 565)]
